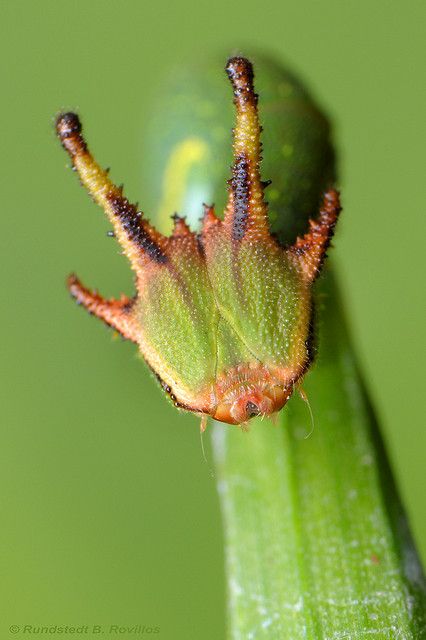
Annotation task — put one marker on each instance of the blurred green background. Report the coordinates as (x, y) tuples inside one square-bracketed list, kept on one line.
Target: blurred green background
[(109, 513)]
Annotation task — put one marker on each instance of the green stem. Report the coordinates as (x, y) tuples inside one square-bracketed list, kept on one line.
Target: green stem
[(317, 544)]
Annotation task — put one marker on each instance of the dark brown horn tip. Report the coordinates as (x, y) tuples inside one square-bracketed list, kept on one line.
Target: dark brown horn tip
[(68, 125), (240, 73)]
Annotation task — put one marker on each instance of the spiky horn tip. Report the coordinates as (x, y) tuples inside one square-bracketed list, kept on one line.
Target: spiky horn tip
[(240, 72), (68, 128)]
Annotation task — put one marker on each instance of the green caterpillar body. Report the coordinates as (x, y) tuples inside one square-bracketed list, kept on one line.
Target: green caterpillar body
[(187, 141), (223, 310)]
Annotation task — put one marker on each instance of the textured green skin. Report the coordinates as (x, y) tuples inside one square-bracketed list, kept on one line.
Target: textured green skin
[(268, 305), (227, 308), (188, 313), (317, 543)]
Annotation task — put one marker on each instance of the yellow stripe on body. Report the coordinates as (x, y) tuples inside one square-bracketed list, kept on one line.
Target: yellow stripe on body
[(183, 157)]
